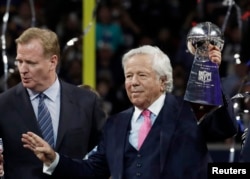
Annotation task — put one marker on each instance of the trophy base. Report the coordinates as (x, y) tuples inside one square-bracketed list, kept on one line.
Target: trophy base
[(204, 85)]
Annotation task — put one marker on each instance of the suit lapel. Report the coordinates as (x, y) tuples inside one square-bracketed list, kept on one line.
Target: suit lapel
[(169, 114), (25, 109), (123, 122), (67, 112)]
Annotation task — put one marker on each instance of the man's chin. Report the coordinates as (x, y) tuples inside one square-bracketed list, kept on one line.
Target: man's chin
[(136, 102), (27, 85)]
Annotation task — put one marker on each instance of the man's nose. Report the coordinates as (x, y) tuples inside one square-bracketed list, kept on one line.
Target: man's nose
[(135, 80), (22, 68)]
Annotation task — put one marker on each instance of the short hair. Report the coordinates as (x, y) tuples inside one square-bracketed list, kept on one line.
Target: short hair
[(160, 62), (49, 40), (90, 88)]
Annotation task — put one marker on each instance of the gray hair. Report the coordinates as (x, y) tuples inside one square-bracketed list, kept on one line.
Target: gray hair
[(160, 62)]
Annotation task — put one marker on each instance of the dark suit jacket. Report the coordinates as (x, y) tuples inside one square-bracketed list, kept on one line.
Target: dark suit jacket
[(80, 125), (183, 149)]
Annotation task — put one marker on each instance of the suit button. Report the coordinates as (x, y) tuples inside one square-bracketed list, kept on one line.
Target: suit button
[(138, 155), (138, 174), (138, 165)]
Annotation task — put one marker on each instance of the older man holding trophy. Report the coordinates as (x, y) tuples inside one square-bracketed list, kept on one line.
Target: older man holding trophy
[(204, 85), (174, 146)]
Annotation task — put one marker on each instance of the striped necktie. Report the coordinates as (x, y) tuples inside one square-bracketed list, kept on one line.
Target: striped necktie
[(44, 120)]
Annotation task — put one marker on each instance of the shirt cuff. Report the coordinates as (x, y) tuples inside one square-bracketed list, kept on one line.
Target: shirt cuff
[(49, 169)]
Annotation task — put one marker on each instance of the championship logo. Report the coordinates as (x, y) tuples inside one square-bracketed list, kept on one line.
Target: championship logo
[(205, 76)]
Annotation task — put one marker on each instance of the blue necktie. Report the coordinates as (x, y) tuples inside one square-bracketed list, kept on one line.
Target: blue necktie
[(44, 120)]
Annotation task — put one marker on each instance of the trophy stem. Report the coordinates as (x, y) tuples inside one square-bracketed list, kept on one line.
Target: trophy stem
[(204, 86)]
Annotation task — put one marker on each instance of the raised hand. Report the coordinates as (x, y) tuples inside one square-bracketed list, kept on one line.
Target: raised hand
[(40, 147), (214, 54)]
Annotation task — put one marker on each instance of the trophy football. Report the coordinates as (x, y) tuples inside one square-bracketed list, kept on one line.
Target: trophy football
[(204, 85)]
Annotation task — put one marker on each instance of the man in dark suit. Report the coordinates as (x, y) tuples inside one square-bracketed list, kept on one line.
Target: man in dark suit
[(76, 113), (175, 147)]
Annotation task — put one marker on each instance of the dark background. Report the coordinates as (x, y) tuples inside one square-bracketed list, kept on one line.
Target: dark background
[(164, 23)]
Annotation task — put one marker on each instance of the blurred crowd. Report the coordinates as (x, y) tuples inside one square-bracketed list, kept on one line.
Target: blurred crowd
[(125, 24)]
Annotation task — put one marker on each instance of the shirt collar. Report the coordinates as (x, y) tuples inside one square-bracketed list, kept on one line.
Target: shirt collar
[(51, 92), (155, 107)]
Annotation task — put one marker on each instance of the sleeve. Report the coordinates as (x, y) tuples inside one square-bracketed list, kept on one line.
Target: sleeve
[(220, 123), (49, 169)]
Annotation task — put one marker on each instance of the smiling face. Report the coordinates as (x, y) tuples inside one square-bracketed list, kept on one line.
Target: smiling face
[(143, 85), (37, 71)]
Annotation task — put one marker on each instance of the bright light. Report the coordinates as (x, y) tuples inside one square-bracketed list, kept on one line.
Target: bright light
[(236, 105)]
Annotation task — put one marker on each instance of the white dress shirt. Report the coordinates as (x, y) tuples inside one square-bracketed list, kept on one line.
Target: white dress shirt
[(52, 101), (137, 119)]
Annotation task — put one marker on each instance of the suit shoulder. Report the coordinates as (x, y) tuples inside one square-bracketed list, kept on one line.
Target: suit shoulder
[(125, 113), (77, 90), (174, 99), (9, 91)]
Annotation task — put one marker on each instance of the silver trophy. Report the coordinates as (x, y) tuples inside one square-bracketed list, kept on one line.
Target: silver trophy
[(204, 85)]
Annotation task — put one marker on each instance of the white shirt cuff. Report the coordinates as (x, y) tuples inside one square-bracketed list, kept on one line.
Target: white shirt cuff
[(49, 169)]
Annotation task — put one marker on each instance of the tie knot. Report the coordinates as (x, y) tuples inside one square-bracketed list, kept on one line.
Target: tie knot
[(146, 113), (42, 96)]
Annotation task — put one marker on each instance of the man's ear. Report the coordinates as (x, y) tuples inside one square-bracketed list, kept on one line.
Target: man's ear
[(163, 81), (53, 61)]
